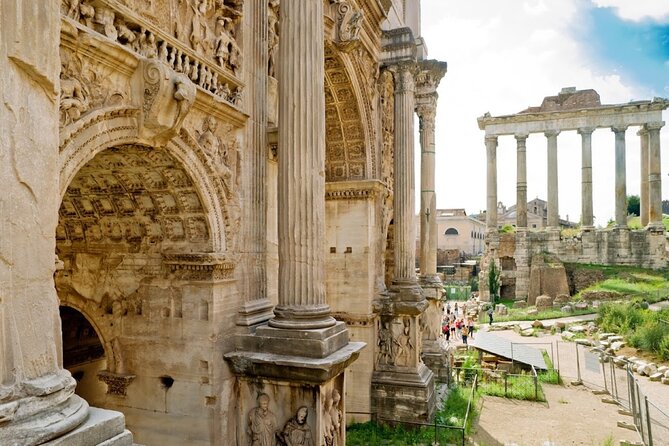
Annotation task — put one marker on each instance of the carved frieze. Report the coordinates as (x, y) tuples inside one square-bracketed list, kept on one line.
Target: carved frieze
[(272, 36), (223, 151), (193, 266), (396, 341), (209, 55)]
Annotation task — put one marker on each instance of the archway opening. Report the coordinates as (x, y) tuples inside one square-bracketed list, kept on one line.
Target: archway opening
[(125, 217), (83, 354)]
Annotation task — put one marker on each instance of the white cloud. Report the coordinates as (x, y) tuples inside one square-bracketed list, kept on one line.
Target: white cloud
[(637, 10), (503, 59)]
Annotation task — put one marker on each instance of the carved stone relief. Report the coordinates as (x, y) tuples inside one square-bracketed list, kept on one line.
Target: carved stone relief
[(333, 417), (212, 26), (348, 24), (272, 36), (223, 151), (396, 341), (83, 88), (262, 427)]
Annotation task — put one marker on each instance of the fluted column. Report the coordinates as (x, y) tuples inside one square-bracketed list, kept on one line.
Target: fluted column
[(428, 200), (552, 178), (644, 209), (587, 221), (621, 181), (403, 197), (257, 307), (654, 175), (301, 191), (491, 156), (521, 181)]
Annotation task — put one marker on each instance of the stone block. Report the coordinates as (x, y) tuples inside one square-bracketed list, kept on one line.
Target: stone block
[(528, 332), (586, 342), (532, 311), (568, 336), (617, 345), (519, 304), (538, 324), (581, 306), (656, 376), (561, 299), (567, 309), (577, 329), (603, 336), (615, 338), (544, 302), (664, 380)]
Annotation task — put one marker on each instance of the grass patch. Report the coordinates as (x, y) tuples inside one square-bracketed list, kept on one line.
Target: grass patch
[(520, 314), (643, 329), (550, 376), (451, 412), (519, 387)]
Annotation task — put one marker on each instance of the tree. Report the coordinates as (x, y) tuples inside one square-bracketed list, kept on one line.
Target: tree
[(493, 281), (633, 205)]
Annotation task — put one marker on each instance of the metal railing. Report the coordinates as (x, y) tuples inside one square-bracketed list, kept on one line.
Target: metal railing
[(442, 434)]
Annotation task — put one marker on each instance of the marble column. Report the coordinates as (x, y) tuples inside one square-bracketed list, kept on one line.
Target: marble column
[(301, 189), (654, 176), (428, 200), (521, 181), (403, 187), (257, 307), (552, 177), (491, 210), (587, 221), (644, 209), (621, 181)]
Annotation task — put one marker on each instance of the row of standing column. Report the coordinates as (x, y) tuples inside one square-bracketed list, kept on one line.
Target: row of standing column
[(651, 183)]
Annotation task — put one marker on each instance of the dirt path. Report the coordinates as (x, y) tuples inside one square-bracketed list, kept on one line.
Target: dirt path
[(571, 416)]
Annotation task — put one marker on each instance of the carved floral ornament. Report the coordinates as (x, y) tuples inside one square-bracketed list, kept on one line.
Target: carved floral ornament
[(212, 62), (348, 25)]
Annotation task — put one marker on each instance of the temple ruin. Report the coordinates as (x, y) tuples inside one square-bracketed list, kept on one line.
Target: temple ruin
[(208, 220), (579, 111)]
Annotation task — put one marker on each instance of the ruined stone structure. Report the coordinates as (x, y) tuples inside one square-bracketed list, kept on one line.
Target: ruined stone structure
[(580, 111), (218, 194)]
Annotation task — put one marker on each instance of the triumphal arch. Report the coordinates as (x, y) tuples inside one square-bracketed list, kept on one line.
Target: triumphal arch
[(207, 224), (578, 111)]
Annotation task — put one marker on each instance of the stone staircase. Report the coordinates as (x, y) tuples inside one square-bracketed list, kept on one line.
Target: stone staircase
[(102, 428)]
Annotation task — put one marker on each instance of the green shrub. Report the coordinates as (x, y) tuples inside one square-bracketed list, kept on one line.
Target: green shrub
[(663, 351)]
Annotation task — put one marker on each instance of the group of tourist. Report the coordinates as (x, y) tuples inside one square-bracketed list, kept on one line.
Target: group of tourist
[(455, 326)]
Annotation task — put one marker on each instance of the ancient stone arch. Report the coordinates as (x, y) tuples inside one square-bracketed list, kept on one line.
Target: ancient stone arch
[(119, 126), (350, 152)]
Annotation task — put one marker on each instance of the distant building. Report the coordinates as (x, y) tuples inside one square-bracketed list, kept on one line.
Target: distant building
[(459, 231), (537, 215)]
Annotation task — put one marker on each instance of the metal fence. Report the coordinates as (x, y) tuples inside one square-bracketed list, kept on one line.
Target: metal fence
[(524, 386), (598, 370), (442, 434)]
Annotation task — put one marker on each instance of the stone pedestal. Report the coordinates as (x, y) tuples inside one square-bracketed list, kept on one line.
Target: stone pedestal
[(434, 353), (402, 385), (522, 258)]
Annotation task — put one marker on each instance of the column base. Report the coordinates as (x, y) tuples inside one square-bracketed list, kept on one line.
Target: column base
[(255, 312), (656, 226), (430, 280), (316, 343), (304, 317), (403, 395), (437, 356), (587, 228)]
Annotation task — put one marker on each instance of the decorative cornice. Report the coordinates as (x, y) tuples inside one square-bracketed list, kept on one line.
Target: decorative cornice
[(353, 190), (117, 384)]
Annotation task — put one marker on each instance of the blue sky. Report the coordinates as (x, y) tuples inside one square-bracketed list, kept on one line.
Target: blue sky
[(504, 56), (637, 50)]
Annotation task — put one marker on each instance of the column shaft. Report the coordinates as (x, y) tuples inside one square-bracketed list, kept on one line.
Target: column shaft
[(587, 220), (621, 180), (403, 198), (257, 307), (654, 175), (552, 177), (521, 181), (428, 211), (491, 211), (644, 208), (301, 191)]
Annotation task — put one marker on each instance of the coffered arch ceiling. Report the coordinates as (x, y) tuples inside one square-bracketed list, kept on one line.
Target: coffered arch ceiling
[(132, 198), (346, 157)]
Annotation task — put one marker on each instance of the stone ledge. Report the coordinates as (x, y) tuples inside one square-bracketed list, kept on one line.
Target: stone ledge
[(294, 368)]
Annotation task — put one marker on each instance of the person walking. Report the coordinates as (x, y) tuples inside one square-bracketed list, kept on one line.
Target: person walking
[(452, 325), (455, 310), (470, 325), (446, 329), (465, 333), (490, 312)]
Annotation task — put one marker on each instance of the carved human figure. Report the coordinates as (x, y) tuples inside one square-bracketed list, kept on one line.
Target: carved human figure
[(336, 415), (273, 36), (296, 431), (73, 99), (199, 28), (222, 42), (73, 10), (328, 426), (208, 140), (261, 426), (404, 344), (105, 17), (87, 14), (235, 53), (386, 344)]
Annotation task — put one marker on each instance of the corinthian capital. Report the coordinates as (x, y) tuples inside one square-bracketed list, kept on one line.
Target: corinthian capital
[(404, 75)]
